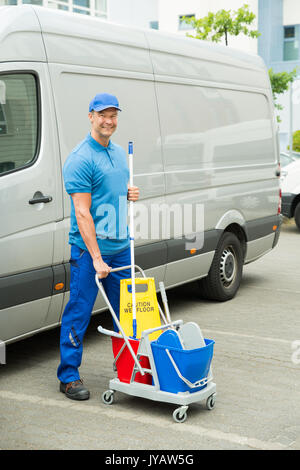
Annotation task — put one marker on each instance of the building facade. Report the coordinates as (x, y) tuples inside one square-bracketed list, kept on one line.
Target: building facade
[(278, 45)]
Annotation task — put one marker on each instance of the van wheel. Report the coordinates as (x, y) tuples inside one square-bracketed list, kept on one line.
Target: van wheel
[(297, 215), (225, 274)]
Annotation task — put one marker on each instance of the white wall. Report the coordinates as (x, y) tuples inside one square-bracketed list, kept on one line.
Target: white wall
[(291, 12), (132, 12), (284, 100)]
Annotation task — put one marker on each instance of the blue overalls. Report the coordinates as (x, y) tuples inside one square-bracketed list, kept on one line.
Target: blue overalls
[(103, 172)]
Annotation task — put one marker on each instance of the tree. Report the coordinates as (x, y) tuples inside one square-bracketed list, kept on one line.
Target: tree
[(280, 83), (223, 23)]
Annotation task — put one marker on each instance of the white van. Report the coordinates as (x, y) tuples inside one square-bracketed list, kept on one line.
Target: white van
[(202, 122), (290, 185)]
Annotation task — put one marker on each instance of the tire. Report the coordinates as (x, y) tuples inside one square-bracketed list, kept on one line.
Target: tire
[(297, 215), (225, 274), (108, 397), (179, 416), (210, 402)]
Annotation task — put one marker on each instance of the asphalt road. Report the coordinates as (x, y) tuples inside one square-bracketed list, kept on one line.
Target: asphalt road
[(256, 367)]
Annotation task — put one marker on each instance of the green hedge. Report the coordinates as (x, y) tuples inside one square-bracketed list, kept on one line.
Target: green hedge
[(296, 141)]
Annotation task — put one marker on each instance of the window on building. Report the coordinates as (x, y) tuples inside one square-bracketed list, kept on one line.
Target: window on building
[(82, 3), (153, 24), (86, 7), (291, 43), (183, 25), (8, 2), (33, 2)]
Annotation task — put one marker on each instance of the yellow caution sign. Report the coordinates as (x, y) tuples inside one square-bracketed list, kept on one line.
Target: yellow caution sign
[(147, 312)]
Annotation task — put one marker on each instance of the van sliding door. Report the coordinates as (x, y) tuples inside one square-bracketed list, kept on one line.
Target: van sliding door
[(138, 122)]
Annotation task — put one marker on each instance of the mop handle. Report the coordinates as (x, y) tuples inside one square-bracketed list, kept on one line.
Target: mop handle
[(131, 231), (165, 300)]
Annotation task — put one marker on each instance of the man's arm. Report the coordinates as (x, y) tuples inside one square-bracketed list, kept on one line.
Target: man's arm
[(82, 203)]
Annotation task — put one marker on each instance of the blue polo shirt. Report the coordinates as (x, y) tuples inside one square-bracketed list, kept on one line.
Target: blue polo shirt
[(103, 172)]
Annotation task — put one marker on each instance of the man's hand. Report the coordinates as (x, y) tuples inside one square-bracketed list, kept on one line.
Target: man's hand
[(133, 193), (101, 268)]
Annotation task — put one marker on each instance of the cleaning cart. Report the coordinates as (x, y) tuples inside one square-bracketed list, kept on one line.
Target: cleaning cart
[(164, 360), (179, 375)]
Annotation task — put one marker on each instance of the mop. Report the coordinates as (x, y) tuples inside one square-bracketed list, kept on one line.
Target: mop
[(131, 234)]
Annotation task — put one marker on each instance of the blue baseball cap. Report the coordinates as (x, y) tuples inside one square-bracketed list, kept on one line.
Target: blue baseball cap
[(104, 101)]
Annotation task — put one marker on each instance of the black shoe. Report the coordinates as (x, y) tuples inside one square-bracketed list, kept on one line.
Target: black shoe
[(75, 390)]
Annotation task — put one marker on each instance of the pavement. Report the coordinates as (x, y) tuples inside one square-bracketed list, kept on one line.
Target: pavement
[(256, 367)]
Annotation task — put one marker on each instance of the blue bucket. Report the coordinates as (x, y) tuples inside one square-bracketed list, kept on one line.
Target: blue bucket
[(193, 364)]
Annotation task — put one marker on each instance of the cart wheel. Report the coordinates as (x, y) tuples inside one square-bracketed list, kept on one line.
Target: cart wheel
[(180, 414), (210, 402), (108, 397)]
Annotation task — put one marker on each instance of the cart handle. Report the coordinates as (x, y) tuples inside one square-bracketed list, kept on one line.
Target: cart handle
[(162, 327), (109, 332), (101, 288), (198, 383), (128, 267)]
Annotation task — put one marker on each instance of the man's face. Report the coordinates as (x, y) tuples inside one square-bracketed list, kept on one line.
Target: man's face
[(104, 123)]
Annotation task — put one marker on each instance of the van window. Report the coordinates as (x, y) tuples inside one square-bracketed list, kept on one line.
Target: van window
[(214, 127), (18, 121)]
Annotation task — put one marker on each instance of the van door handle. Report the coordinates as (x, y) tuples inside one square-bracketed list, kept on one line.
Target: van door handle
[(39, 197)]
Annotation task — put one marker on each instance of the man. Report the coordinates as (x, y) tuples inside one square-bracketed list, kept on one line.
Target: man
[(96, 177)]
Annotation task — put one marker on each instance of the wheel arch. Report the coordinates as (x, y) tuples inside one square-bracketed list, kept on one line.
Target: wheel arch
[(240, 233), (233, 221)]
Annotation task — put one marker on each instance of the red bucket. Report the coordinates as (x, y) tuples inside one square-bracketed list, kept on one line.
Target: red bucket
[(125, 362)]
